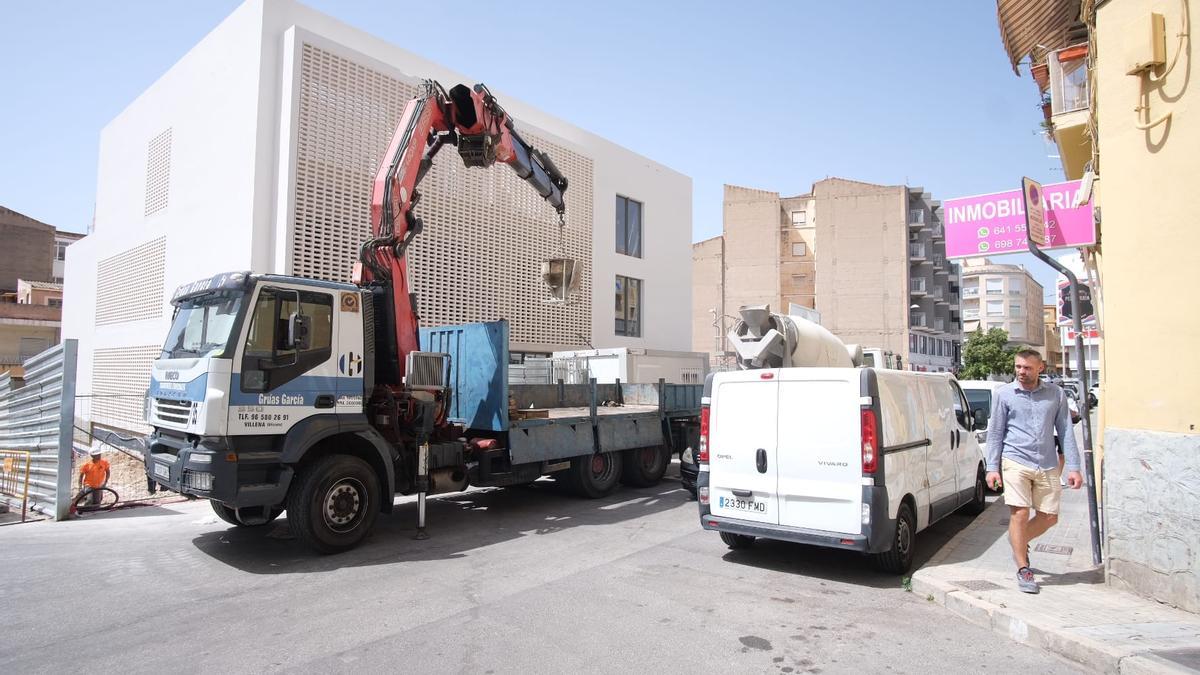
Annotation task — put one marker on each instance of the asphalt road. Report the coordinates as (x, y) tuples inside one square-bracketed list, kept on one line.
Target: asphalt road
[(518, 580)]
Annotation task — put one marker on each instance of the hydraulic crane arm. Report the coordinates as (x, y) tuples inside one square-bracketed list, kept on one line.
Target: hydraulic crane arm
[(472, 120)]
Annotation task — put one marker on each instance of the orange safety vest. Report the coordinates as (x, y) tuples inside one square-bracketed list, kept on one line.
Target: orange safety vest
[(94, 473)]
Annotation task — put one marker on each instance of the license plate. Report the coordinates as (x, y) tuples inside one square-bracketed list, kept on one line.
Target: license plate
[(162, 471), (749, 505)]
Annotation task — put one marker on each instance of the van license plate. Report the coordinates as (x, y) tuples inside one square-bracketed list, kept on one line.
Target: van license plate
[(739, 504), (162, 471)]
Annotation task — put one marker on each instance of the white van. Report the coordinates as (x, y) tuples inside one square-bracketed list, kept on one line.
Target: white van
[(854, 458), (979, 395)]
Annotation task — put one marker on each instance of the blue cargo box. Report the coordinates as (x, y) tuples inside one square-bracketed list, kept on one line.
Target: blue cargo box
[(582, 418)]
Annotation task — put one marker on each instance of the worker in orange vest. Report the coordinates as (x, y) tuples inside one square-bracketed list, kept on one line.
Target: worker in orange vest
[(93, 476)]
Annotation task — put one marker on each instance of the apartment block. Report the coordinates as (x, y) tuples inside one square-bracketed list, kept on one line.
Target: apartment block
[(868, 259), (1003, 296)]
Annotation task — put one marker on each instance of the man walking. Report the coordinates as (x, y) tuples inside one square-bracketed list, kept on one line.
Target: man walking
[(1020, 445)]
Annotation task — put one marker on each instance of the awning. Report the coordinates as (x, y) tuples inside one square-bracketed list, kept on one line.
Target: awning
[(1041, 25)]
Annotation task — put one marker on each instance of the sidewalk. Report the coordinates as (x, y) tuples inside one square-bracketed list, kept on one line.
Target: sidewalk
[(1076, 615)]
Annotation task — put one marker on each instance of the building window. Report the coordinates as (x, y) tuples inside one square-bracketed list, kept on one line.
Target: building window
[(1014, 310), (912, 343), (629, 307), (54, 302), (799, 278), (939, 347), (1016, 286), (60, 252), (995, 286), (798, 249), (924, 345), (799, 218), (995, 308), (1016, 330), (629, 227)]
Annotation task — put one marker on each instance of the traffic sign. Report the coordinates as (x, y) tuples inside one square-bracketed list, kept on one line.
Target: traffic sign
[(1035, 213)]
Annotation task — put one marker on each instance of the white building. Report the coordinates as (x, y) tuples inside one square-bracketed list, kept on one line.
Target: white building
[(256, 152)]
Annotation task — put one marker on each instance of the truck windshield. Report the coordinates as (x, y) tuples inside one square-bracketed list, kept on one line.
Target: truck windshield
[(202, 325)]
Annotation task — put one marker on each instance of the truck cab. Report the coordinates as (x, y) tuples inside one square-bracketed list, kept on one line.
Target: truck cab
[(252, 364)]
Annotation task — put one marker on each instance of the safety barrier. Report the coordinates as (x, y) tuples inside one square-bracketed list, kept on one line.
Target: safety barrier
[(14, 477)]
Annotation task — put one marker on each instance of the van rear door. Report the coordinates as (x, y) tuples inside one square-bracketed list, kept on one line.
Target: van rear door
[(820, 452), (742, 435)]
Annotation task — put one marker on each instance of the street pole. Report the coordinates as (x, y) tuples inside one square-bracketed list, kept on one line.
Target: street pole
[(1084, 409)]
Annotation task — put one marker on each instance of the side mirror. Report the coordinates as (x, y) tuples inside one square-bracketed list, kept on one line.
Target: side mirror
[(299, 330), (981, 422)]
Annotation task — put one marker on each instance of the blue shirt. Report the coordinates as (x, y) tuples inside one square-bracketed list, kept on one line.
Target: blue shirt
[(1022, 426)]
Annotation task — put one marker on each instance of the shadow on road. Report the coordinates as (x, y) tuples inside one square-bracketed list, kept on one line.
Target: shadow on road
[(846, 566), (457, 523)]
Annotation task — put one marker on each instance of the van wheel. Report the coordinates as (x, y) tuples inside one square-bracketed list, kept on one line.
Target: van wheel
[(899, 558), (643, 467), (737, 541), (333, 503), (978, 495), (596, 475)]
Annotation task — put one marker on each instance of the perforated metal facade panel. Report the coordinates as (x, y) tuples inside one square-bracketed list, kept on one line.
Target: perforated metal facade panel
[(120, 377), (486, 230), (158, 172), (129, 285)]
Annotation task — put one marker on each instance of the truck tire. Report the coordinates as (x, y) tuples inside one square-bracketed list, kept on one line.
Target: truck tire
[(596, 475), (230, 516), (899, 558), (978, 495), (737, 541), (333, 503), (643, 467)]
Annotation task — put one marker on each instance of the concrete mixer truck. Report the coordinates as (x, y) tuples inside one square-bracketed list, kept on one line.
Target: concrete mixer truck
[(806, 444)]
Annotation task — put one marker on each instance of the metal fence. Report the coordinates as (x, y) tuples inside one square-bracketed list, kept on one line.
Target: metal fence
[(38, 416), (14, 477)]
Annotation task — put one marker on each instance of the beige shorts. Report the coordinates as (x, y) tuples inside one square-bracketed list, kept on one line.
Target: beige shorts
[(1038, 489)]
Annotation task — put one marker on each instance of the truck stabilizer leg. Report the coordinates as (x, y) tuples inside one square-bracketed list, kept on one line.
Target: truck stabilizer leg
[(423, 486)]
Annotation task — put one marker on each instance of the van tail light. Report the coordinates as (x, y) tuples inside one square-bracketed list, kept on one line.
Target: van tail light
[(703, 455), (870, 442)]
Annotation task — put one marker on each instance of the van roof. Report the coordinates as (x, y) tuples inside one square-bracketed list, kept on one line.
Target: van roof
[(989, 385)]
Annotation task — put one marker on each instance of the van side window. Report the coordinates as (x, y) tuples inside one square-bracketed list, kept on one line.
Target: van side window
[(961, 407)]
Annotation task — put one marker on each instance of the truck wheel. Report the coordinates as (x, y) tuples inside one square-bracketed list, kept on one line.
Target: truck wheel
[(899, 558), (596, 475), (736, 541), (978, 495), (230, 515), (643, 467), (333, 503)]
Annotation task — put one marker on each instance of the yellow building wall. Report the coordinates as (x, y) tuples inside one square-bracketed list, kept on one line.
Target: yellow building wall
[(1150, 204)]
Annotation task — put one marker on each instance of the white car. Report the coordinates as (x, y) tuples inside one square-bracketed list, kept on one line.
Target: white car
[(979, 394), (852, 458)]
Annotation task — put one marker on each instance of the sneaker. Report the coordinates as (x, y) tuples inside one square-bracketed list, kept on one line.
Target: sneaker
[(1026, 582)]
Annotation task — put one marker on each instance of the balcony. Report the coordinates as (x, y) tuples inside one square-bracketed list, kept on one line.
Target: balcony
[(916, 218), (917, 320), (939, 325), (970, 291), (917, 286), (916, 252), (1069, 103), (939, 231)]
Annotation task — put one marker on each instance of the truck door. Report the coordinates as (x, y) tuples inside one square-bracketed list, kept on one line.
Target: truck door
[(820, 456), (285, 371), (741, 451)]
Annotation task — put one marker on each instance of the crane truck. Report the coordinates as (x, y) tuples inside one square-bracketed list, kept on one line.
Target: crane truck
[(323, 399)]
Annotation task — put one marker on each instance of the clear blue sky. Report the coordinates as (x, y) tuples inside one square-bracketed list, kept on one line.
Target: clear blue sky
[(771, 95)]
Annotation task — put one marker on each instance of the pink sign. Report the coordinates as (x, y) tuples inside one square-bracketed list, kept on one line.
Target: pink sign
[(995, 224)]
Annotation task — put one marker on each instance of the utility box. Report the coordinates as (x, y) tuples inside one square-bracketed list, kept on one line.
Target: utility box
[(629, 364), (1147, 49)]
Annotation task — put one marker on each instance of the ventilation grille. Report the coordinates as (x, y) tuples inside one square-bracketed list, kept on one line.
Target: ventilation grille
[(426, 369), (486, 233), (120, 378), (158, 172), (129, 285)]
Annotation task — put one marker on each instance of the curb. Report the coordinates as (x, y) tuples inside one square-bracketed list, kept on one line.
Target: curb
[(1057, 640), (1092, 655)]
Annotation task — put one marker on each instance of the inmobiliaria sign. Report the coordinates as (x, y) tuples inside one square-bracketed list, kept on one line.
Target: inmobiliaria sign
[(994, 224)]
